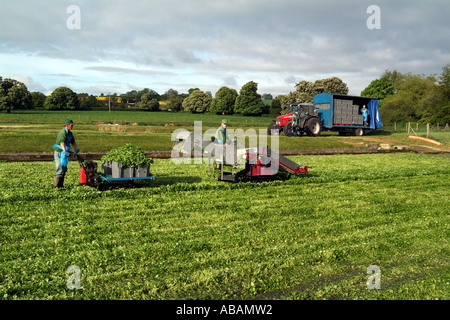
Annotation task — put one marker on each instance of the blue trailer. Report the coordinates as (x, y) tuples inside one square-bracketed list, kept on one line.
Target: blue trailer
[(344, 114)]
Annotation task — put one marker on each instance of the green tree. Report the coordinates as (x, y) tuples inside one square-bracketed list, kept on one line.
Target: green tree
[(197, 102), (275, 104), (249, 102), (192, 90), (444, 81), (305, 90), (130, 96), (416, 100), (224, 101), (38, 99), (396, 78), (440, 111), (175, 100), (148, 102), (379, 88), (62, 98), (152, 94), (14, 95), (88, 103), (330, 85)]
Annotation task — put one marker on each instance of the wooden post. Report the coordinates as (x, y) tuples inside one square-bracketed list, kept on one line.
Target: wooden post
[(428, 130), (417, 126), (409, 128), (395, 126)]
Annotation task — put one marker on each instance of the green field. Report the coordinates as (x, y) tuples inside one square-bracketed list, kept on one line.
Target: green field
[(101, 131), (189, 236)]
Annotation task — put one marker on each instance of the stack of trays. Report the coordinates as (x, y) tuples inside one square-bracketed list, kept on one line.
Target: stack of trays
[(345, 112)]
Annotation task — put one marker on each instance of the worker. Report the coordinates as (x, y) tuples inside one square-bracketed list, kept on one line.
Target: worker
[(61, 149), (221, 133), (365, 113)]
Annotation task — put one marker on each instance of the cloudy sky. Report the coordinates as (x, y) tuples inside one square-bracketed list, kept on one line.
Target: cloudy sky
[(174, 44)]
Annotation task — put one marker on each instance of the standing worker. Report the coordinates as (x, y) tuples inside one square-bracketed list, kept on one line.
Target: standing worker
[(365, 113), (221, 133), (61, 149)]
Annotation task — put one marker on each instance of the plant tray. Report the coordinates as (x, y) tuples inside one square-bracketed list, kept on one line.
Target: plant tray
[(117, 170)]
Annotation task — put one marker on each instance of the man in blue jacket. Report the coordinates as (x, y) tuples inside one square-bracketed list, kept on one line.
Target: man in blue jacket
[(61, 149), (365, 113)]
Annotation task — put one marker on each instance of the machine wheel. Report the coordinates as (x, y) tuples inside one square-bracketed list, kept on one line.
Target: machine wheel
[(359, 132), (288, 129), (273, 126), (312, 127)]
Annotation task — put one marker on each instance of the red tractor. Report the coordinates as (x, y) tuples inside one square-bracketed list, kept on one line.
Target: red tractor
[(302, 119)]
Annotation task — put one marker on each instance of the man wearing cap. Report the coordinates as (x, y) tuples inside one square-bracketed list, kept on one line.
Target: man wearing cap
[(221, 133), (61, 149)]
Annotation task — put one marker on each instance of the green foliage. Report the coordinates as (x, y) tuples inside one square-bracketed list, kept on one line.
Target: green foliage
[(129, 155), (306, 90), (197, 102), (419, 98), (175, 100), (88, 102), (330, 85), (188, 236), (224, 101), (62, 98), (14, 95), (148, 103), (38, 99), (249, 102), (192, 90), (379, 88), (275, 103)]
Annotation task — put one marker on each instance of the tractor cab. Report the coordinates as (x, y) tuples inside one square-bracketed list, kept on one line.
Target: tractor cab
[(301, 111)]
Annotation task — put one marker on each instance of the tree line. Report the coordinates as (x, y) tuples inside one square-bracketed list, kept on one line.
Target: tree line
[(407, 97), (403, 97), (15, 95)]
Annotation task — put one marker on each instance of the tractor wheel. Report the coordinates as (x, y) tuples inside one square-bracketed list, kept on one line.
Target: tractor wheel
[(359, 132), (312, 127), (273, 126), (288, 130)]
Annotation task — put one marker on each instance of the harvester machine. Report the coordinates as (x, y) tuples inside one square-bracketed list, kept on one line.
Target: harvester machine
[(247, 164)]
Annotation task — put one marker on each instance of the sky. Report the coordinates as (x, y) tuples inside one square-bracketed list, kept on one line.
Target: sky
[(117, 46)]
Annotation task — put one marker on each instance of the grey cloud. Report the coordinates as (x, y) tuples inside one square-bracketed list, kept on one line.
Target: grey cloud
[(252, 38), (229, 81), (128, 71)]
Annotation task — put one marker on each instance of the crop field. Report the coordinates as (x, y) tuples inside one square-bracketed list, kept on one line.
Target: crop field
[(100, 131), (186, 235)]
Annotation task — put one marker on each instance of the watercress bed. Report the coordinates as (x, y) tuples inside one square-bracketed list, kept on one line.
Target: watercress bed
[(189, 236)]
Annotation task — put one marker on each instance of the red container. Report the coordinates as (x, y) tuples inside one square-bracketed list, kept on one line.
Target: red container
[(83, 177)]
